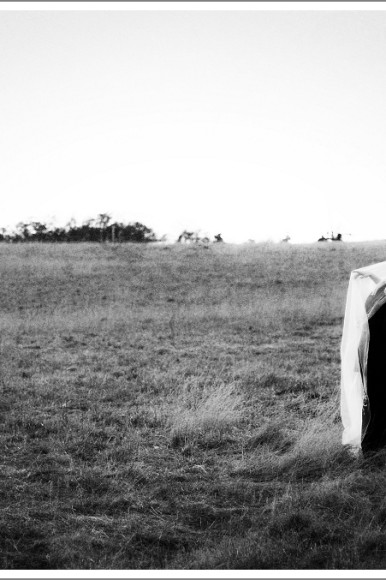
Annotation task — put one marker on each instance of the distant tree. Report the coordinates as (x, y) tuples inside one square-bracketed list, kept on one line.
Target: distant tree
[(218, 238), (71, 224), (103, 221), (90, 223), (92, 230), (57, 235), (39, 231), (138, 232), (23, 231)]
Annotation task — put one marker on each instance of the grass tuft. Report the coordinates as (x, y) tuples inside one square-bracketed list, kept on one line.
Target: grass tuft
[(273, 435), (204, 415)]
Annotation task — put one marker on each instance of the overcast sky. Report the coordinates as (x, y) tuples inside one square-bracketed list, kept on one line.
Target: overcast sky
[(255, 124)]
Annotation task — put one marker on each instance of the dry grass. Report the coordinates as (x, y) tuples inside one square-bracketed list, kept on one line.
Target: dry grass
[(205, 414), (175, 407)]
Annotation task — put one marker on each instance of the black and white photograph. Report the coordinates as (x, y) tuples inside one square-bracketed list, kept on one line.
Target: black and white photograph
[(193, 288)]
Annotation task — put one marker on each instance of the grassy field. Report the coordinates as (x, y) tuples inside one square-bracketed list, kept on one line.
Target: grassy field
[(178, 407)]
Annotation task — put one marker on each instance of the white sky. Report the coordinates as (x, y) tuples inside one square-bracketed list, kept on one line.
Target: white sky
[(255, 123)]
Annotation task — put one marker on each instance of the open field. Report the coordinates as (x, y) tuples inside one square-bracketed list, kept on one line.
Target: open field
[(178, 407)]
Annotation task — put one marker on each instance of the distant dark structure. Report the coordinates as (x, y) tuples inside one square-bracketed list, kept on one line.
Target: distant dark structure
[(337, 238), (286, 239), (192, 237), (186, 237), (218, 238)]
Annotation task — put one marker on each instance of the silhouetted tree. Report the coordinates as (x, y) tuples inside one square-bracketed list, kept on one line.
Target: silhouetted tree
[(90, 231), (23, 231), (103, 221), (39, 231)]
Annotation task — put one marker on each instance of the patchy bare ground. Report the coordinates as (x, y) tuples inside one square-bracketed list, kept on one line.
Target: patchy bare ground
[(177, 407)]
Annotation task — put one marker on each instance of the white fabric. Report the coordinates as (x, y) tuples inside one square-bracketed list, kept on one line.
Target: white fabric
[(363, 282)]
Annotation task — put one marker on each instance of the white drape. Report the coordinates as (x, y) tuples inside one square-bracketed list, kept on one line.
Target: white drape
[(364, 286)]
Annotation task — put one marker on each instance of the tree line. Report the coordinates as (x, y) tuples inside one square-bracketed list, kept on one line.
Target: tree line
[(100, 229)]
